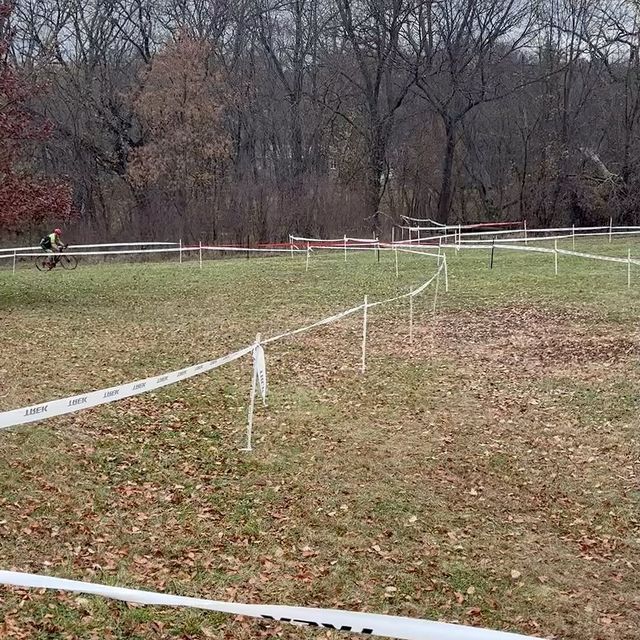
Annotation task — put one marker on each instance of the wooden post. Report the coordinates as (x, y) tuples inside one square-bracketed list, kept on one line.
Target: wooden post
[(493, 248)]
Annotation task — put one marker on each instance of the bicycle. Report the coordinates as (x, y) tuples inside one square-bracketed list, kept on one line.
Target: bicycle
[(50, 261)]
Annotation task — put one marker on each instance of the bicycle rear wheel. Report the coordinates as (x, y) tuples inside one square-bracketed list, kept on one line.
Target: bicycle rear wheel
[(68, 262), (42, 263)]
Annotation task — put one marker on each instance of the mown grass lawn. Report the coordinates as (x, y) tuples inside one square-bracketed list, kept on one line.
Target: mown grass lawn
[(485, 473)]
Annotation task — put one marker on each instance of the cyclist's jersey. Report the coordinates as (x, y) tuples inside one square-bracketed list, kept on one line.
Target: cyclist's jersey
[(55, 240)]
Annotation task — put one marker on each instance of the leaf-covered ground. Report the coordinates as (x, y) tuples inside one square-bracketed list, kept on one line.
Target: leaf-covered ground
[(486, 472)]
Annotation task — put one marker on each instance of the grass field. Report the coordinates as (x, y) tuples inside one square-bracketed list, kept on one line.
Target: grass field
[(485, 474)]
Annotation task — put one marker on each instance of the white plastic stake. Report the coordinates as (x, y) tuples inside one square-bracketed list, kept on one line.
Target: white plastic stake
[(291, 244), (201, 254), (252, 402), (308, 254), (610, 228), (411, 316), (180, 250), (397, 272), (628, 268), (393, 235), (433, 319), (364, 337), (446, 273), (14, 263), (525, 233), (573, 237), (555, 255), (345, 248), (459, 234)]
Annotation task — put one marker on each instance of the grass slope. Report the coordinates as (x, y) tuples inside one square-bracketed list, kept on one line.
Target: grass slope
[(485, 473)]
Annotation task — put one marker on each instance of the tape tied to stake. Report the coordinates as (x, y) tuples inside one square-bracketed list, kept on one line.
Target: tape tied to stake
[(71, 404), (372, 624)]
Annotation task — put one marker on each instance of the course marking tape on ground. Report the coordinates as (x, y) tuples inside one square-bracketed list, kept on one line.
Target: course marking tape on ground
[(350, 621)]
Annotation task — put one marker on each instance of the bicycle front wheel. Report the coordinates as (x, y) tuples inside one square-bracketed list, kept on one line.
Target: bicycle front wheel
[(42, 263), (68, 262)]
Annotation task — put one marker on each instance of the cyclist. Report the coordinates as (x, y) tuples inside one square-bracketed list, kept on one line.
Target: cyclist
[(53, 244)]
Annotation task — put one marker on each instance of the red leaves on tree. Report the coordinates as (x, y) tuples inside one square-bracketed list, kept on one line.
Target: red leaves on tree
[(24, 197)]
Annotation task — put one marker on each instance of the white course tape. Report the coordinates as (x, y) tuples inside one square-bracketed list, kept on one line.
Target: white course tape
[(71, 404), (329, 320), (578, 254), (554, 237), (507, 247), (249, 249), (303, 239), (420, 253), (348, 312), (411, 294), (372, 624), (594, 256), (146, 251), (97, 246), (115, 252)]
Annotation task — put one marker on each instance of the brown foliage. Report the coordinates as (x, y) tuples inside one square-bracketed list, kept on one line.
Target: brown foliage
[(181, 108), (23, 197)]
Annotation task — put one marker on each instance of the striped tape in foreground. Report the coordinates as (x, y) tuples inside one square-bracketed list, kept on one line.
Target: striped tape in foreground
[(71, 404), (351, 621)]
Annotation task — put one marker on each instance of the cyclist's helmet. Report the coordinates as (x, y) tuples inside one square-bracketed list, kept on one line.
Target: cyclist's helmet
[(58, 232)]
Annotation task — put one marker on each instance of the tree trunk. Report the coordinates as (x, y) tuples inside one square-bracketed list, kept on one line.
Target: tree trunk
[(373, 180), (446, 184)]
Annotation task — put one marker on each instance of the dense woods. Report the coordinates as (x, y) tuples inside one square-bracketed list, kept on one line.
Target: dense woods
[(229, 120)]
